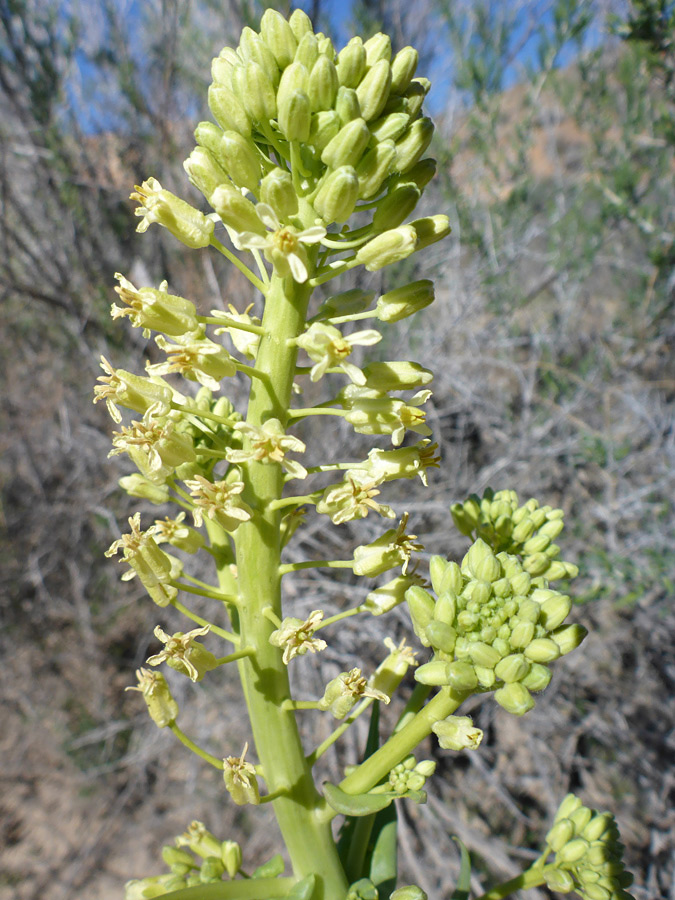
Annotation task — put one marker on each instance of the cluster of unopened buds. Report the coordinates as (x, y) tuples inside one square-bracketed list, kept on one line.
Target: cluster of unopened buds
[(312, 168)]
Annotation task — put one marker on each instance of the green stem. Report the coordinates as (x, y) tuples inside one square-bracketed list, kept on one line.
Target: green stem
[(316, 411), (226, 322), (199, 620), (204, 592), (338, 732), (339, 616), (250, 371), (300, 704), (298, 805), (358, 846), (368, 314), (207, 757), (399, 745), (239, 889), (244, 269), (239, 654), (316, 564), (523, 882), (296, 501)]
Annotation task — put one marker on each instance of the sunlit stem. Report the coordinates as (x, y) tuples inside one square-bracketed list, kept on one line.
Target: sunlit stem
[(250, 371), (316, 411), (226, 322), (239, 889), (199, 620), (368, 314), (190, 744), (296, 501), (323, 276), (339, 731), (300, 704), (243, 268), (202, 414), (345, 245), (533, 877), (333, 467), (316, 564), (339, 616), (204, 592)]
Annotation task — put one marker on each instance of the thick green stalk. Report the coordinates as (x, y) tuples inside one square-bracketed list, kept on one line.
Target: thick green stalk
[(372, 770), (307, 836)]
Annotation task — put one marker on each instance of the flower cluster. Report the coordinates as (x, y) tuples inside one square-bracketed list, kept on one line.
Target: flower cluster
[(588, 854), (527, 531), (493, 627)]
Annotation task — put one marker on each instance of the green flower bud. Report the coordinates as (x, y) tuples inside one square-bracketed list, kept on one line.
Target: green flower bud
[(323, 84), (521, 635), (403, 68), (486, 677), (430, 230), (228, 112), (377, 47), (211, 870), (437, 566), (294, 116), (294, 78), (514, 698), (410, 102), (457, 733), (240, 779), (173, 856), (411, 146), (479, 558), (597, 892), (347, 147), (542, 650), (276, 189), (255, 91), (573, 851), (421, 606), (209, 136), (241, 159), (409, 892), (536, 544), (512, 668), (405, 301), (597, 826), (308, 50), (387, 248), (389, 595), (462, 676), (374, 168), (324, 126), (554, 611), (568, 637), (537, 679), (137, 486), (373, 91), (351, 63), (561, 832), (326, 47), (300, 24), (567, 807), (347, 105), (441, 636), (236, 210), (580, 818), (221, 69), (420, 174), (345, 303), (446, 608), (396, 376), (252, 47), (395, 207), (162, 707), (558, 880), (434, 673), (391, 549), (337, 196), (389, 127), (483, 655), (279, 37), (230, 853)]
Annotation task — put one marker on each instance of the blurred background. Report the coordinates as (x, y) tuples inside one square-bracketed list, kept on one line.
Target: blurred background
[(552, 341)]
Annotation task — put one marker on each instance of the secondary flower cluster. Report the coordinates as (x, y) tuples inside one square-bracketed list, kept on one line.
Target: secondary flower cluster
[(492, 627), (588, 854)]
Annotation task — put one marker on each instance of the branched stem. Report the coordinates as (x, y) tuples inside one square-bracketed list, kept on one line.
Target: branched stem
[(190, 744), (199, 620)]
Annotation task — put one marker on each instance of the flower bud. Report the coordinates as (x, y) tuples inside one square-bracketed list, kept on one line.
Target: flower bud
[(308, 50), (514, 698), (255, 91), (537, 679), (542, 650), (241, 159), (389, 595), (462, 676), (420, 174), (521, 635), (175, 857), (276, 189), (324, 126), (137, 486), (413, 143), (374, 168), (597, 826), (185, 222), (554, 611), (430, 230), (573, 851), (162, 707), (351, 64), (580, 818), (405, 301), (252, 47), (345, 303), (441, 636), (279, 37), (387, 248), (347, 147), (230, 854), (373, 91), (568, 637), (347, 105), (558, 880), (512, 668), (536, 544), (377, 47), (561, 832), (457, 733), (395, 207), (434, 673), (396, 376), (228, 112), (240, 779), (294, 116), (208, 135), (204, 172), (403, 68), (409, 892), (446, 608), (221, 68), (301, 24), (413, 99), (337, 196), (236, 210), (389, 127), (322, 84), (421, 606), (483, 655)]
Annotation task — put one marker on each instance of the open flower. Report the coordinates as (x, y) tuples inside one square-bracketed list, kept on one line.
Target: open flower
[(269, 443), (343, 693), (154, 309), (196, 358), (329, 348), (354, 498), (240, 779), (296, 637), (185, 222), (220, 501), (183, 653), (283, 245)]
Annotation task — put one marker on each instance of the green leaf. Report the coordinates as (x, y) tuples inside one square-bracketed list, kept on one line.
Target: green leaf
[(355, 804), (239, 889), (464, 881), (303, 889), (271, 869), (383, 859), (363, 889)]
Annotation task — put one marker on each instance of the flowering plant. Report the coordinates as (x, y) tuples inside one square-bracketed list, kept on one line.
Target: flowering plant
[(307, 140)]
